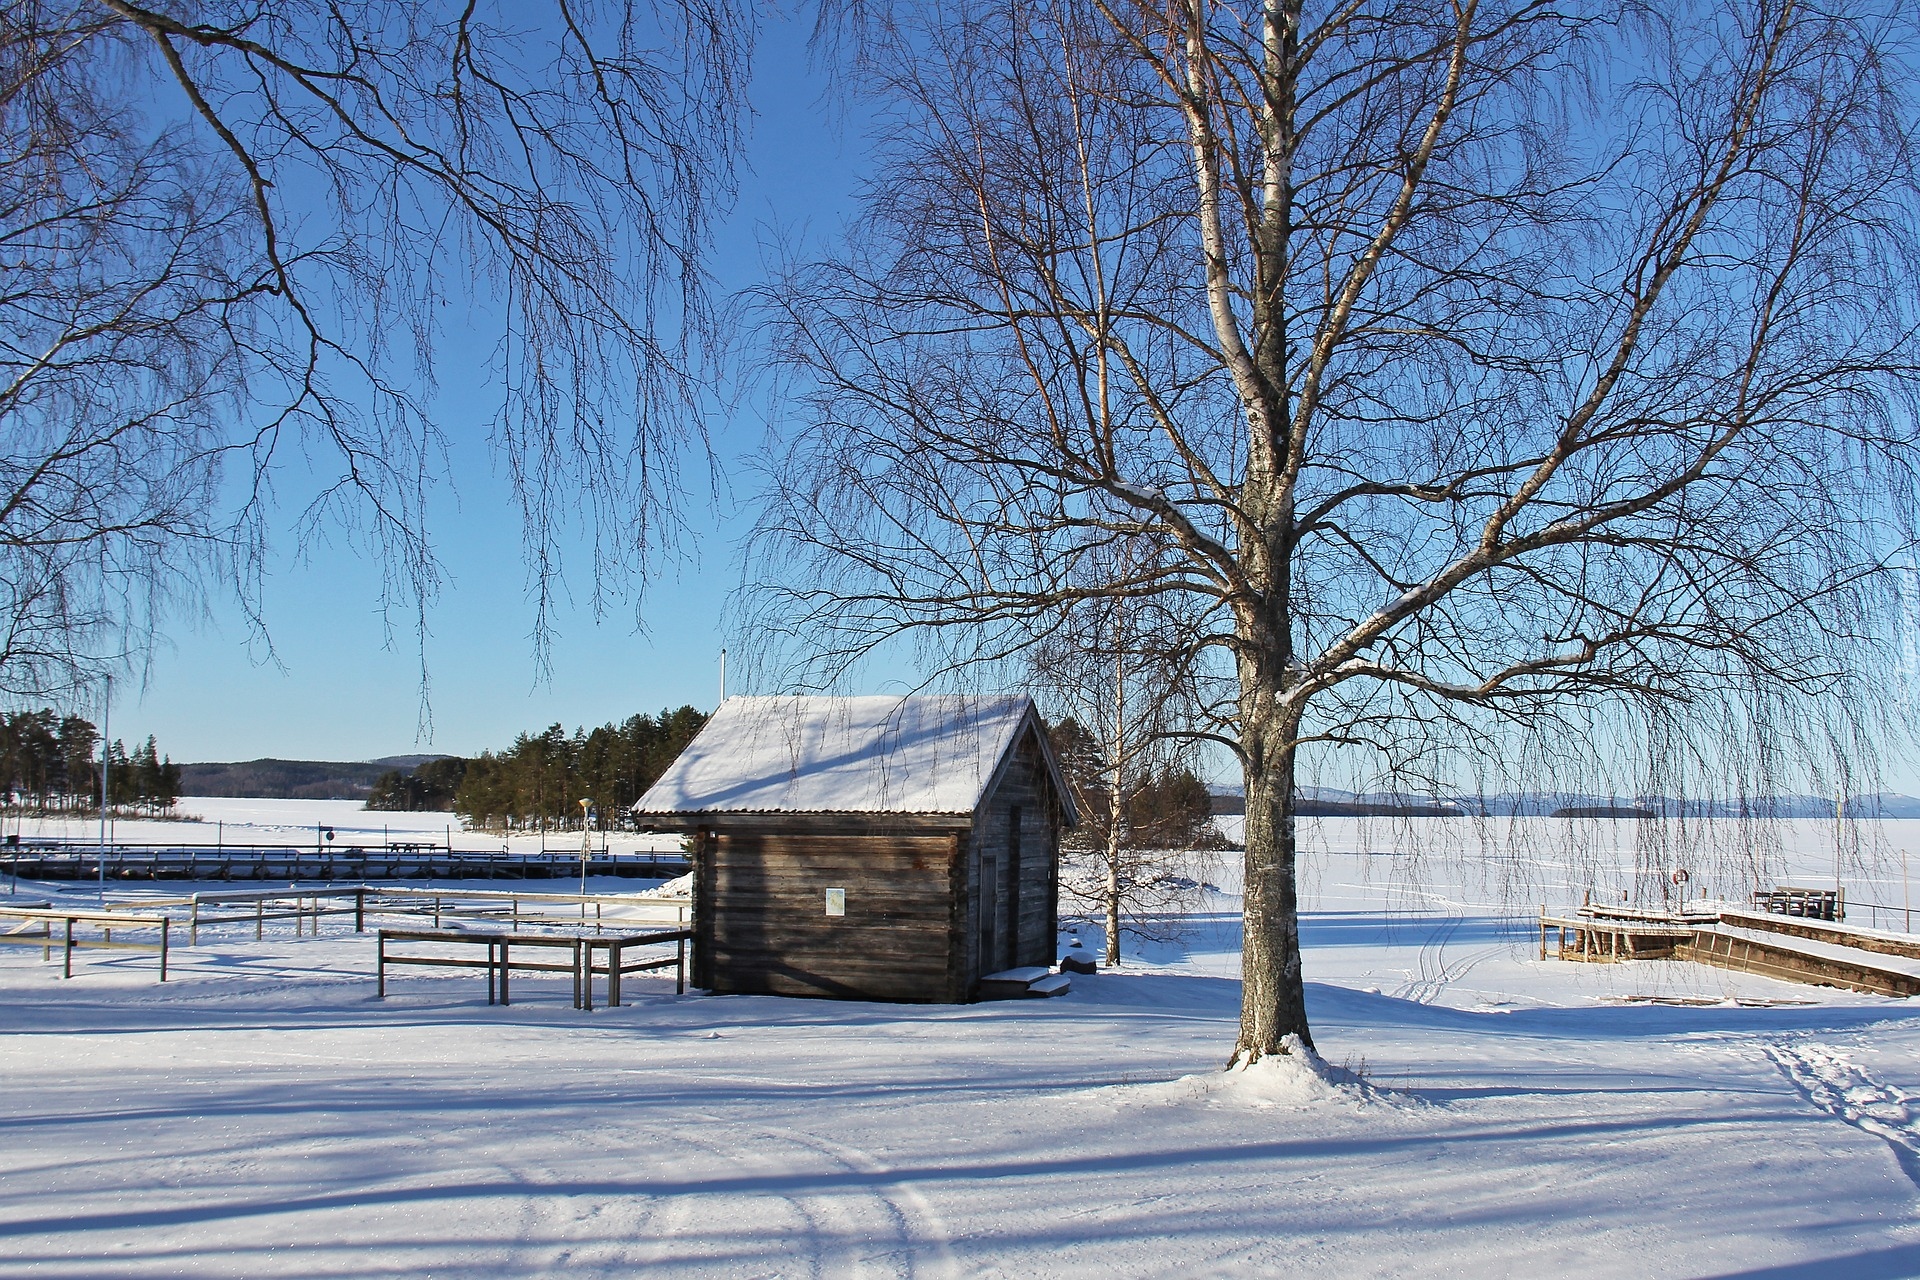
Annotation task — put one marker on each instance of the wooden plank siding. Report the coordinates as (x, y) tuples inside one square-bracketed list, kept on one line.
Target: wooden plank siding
[(768, 931)]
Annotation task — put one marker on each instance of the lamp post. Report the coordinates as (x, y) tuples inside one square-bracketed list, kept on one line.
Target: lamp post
[(586, 850), (106, 759), (1839, 832)]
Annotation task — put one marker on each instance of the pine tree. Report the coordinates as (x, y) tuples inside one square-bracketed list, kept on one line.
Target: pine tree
[(79, 750)]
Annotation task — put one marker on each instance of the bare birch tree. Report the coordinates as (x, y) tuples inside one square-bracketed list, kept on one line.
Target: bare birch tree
[(1120, 669), (1501, 373), (233, 238)]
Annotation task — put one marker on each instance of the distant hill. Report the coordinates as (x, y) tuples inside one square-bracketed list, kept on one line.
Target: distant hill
[(287, 779), (410, 762), (1316, 802)]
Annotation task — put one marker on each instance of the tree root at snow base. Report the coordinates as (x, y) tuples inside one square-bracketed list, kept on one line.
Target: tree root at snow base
[(1291, 1044)]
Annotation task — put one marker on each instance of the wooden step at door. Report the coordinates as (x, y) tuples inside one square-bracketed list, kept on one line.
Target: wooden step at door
[(1013, 984)]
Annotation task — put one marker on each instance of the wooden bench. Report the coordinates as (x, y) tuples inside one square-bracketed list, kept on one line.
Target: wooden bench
[(1808, 904), (500, 962)]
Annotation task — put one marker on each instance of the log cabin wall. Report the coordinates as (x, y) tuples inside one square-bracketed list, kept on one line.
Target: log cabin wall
[(766, 928)]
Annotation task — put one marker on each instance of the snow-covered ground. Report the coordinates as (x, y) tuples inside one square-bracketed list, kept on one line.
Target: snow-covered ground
[(262, 1115)]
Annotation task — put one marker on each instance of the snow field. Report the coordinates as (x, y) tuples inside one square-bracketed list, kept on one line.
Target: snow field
[(1478, 1113)]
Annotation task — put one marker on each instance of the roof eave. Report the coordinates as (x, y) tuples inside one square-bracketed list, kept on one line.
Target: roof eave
[(862, 822)]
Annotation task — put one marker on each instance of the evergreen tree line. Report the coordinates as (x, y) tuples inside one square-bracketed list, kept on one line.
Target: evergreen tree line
[(51, 764), (540, 780), (426, 788), (1164, 807)]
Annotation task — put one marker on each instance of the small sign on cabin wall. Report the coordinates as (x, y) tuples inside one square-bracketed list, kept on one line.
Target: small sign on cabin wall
[(836, 902)]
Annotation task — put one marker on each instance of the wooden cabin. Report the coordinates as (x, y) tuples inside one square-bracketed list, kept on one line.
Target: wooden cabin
[(874, 848)]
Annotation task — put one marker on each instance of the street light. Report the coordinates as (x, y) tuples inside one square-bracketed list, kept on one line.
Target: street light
[(106, 757), (586, 850)]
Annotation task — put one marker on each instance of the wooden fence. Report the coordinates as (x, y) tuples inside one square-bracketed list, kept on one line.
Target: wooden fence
[(35, 927)]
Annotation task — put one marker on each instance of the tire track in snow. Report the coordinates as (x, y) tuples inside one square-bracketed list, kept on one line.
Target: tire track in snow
[(917, 1222), (1849, 1093), (881, 1224)]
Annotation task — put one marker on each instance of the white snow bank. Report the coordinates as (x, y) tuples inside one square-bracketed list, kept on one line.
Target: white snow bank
[(678, 887), (1297, 1079)]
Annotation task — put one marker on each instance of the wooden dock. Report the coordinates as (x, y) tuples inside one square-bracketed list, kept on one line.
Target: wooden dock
[(1598, 940), (1796, 959), (394, 861), (1812, 948)]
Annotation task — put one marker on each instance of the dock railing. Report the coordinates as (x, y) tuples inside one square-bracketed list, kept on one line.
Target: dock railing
[(596, 929)]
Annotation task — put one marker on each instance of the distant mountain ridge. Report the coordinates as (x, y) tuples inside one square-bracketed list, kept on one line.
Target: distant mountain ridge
[(1333, 802), (274, 779)]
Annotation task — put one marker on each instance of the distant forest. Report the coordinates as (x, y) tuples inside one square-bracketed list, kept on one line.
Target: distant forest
[(51, 764), (541, 779)]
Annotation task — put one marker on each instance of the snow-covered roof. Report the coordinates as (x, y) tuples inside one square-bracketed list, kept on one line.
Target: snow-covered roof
[(912, 755)]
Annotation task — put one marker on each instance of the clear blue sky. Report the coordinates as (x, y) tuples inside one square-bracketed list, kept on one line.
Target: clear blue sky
[(340, 688)]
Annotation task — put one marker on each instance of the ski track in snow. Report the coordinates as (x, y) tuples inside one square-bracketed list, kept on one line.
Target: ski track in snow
[(912, 1219), (885, 1231), (1833, 1083)]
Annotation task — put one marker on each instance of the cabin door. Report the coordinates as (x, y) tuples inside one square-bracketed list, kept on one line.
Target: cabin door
[(987, 913)]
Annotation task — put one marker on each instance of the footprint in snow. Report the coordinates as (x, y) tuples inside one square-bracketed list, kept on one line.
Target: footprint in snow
[(1848, 1092)]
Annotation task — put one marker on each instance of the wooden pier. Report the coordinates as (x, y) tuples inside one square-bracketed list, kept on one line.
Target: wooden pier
[(1809, 946), (1598, 940), (393, 861), (1820, 964)]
